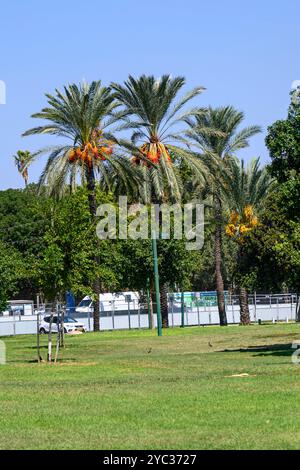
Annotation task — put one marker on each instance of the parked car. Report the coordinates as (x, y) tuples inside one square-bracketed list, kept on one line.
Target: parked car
[(70, 325)]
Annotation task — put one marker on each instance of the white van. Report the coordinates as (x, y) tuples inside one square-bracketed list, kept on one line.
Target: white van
[(110, 302)]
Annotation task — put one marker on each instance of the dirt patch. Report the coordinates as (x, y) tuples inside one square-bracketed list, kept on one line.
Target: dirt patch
[(244, 374)]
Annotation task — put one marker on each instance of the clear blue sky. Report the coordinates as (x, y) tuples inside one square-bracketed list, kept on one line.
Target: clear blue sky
[(246, 53)]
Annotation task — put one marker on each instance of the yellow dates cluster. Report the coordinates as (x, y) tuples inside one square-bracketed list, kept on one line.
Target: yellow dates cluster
[(153, 152), (88, 153), (238, 224)]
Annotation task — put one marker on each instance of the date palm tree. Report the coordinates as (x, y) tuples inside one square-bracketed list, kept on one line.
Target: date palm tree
[(220, 146), (153, 112), (81, 116), (247, 188), (22, 159)]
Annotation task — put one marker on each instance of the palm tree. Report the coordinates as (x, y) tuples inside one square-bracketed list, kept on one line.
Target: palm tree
[(152, 113), (22, 160), (81, 115), (247, 188), (216, 134)]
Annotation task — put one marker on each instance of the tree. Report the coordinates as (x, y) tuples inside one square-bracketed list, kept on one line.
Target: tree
[(152, 112), (272, 249), (283, 142), (68, 258), (216, 134), (12, 269), (247, 188), (82, 115), (24, 220), (22, 159)]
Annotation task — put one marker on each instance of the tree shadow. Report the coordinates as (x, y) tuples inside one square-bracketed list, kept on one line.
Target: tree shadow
[(265, 350), (60, 360)]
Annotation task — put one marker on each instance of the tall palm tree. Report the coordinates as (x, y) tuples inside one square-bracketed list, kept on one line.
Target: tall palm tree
[(153, 113), (22, 159), (80, 115), (247, 188), (203, 132)]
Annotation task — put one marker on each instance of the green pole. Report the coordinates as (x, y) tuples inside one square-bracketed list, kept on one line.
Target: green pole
[(156, 279), (148, 302), (182, 309)]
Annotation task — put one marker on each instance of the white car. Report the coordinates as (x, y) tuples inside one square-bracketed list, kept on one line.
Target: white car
[(70, 325)]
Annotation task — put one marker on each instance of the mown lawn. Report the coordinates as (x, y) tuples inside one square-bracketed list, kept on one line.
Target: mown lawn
[(133, 390)]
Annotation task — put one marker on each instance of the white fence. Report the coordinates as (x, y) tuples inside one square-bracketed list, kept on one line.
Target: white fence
[(263, 308)]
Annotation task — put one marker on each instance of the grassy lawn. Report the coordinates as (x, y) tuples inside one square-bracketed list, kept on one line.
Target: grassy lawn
[(133, 390)]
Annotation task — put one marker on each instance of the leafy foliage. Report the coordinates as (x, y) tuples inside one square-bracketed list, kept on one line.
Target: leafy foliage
[(283, 142), (22, 159), (82, 116), (153, 114), (273, 249), (12, 271)]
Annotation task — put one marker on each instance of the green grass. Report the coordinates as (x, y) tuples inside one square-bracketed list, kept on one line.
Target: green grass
[(110, 392)]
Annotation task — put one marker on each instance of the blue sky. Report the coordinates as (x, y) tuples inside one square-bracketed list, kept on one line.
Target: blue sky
[(246, 53)]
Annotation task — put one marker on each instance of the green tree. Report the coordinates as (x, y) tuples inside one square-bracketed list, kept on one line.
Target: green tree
[(22, 160), (68, 257), (83, 116), (283, 142), (272, 249), (153, 113), (246, 188), (12, 269), (24, 219), (216, 134)]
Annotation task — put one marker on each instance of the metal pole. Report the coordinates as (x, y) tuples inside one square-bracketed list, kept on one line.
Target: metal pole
[(156, 280), (50, 338), (38, 327), (62, 326), (296, 304), (172, 311), (198, 313), (14, 322), (89, 320), (182, 310), (129, 321), (113, 314), (148, 303), (296, 308), (139, 316), (58, 332)]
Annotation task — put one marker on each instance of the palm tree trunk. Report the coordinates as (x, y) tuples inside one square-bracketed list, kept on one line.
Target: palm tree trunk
[(164, 305), (93, 209), (298, 308), (218, 263), (243, 294), (244, 307)]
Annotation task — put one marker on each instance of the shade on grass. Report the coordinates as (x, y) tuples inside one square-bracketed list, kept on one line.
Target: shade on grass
[(133, 390)]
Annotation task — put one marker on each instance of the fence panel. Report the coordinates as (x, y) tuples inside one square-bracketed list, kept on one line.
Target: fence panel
[(132, 315)]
